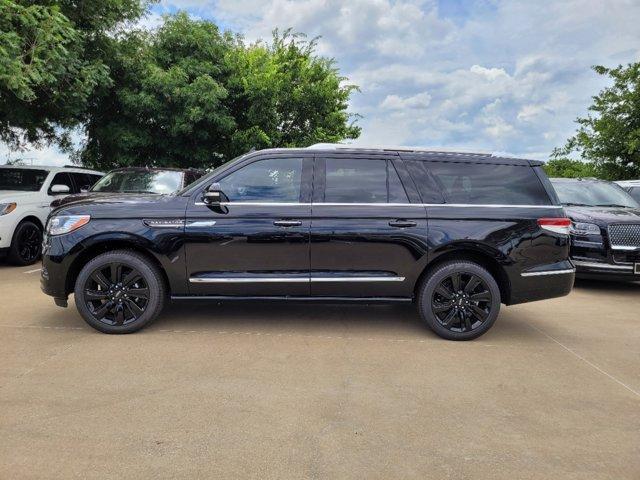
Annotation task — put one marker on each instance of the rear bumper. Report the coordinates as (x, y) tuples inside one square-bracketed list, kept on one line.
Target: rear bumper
[(543, 282)]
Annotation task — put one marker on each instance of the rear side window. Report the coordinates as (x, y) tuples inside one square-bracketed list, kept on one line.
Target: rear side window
[(362, 181), (490, 184)]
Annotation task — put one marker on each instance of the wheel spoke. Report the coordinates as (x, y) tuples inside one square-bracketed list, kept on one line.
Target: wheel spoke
[(444, 292), (119, 315), (104, 308), (472, 284), (132, 277), (138, 292), (455, 281), (449, 318), (133, 306), (478, 313), (95, 295), (467, 323), (481, 297), (115, 270), (100, 279), (441, 307)]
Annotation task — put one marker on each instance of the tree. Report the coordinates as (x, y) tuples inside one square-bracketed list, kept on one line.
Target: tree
[(188, 95), (568, 168), (610, 136), (51, 62)]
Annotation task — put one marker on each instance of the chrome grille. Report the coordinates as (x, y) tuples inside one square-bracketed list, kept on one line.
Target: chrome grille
[(624, 235)]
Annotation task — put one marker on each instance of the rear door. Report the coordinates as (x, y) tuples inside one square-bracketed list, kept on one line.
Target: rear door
[(368, 230), (256, 243)]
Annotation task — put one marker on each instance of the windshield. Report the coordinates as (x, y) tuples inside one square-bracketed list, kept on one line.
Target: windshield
[(140, 181), (23, 179), (593, 194)]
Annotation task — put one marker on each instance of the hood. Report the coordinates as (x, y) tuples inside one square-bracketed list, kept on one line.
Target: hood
[(94, 196), (122, 205), (16, 195), (603, 216)]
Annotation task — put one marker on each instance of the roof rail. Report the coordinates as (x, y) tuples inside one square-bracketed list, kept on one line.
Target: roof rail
[(451, 151), (78, 167)]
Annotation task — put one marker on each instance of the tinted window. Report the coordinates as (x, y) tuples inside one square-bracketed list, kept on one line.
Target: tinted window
[(63, 178), (84, 181), (23, 179), (592, 194), (491, 184), (272, 180), (362, 181)]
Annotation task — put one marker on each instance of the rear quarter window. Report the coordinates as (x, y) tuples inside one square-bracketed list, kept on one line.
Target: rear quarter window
[(486, 183)]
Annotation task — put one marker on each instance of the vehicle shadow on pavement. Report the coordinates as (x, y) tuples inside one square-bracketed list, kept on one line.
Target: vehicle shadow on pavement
[(325, 319)]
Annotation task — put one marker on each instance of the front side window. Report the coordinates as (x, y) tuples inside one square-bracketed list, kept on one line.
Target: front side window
[(63, 178), (274, 180), (362, 181), (140, 181), (22, 179), (585, 193), (488, 184), (635, 193)]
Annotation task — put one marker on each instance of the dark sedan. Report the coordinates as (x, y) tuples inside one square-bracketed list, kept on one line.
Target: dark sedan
[(605, 230)]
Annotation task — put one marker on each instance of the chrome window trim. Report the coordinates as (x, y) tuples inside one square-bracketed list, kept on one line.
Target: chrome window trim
[(329, 204), (293, 279), (548, 272)]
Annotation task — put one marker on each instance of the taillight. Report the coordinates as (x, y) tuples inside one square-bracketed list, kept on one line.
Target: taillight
[(555, 225)]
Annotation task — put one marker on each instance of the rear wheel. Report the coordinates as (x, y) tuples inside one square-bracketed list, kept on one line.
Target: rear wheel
[(26, 244), (120, 292), (459, 300)]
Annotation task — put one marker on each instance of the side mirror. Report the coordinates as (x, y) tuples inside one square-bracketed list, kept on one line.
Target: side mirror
[(213, 196), (59, 189)]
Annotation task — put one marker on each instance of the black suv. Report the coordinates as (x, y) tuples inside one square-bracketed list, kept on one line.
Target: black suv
[(605, 229), (459, 234)]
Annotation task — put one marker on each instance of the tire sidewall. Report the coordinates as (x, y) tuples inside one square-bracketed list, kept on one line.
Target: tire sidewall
[(14, 249), (434, 279), (150, 275)]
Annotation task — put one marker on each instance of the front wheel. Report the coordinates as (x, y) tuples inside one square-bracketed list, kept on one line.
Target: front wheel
[(459, 300), (120, 292), (26, 244)]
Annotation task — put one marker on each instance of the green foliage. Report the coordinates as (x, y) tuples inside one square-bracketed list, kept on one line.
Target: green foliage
[(188, 95), (568, 168), (610, 135), (51, 61)]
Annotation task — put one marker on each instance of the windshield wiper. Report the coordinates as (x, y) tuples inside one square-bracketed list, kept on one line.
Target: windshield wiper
[(571, 204)]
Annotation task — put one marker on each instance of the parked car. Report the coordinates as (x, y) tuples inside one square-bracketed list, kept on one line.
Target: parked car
[(459, 234), (632, 187), (137, 180), (25, 196), (605, 228)]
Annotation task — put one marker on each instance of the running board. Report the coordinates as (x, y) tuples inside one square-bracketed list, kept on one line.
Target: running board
[(286, 298)]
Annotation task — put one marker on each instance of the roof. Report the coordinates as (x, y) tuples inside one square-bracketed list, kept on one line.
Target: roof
[(574, 180), (406, 152), (156, 169), (629, 183), (52, 168)]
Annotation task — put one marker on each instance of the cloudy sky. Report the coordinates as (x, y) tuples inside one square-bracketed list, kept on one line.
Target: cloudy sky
[(506, 76)]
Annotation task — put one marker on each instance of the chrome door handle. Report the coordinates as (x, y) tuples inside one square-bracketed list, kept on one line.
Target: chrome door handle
[(287, 223), (402, 223)]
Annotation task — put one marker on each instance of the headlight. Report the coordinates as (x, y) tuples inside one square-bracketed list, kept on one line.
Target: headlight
[(61, 224), (7, 208), (579, 228)]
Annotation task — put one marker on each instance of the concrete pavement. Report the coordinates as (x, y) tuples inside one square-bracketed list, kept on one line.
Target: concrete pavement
[(308, 391)]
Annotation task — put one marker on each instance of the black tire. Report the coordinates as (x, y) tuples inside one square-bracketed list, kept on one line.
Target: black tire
[(120, 292), (26, 244), (473, 304)]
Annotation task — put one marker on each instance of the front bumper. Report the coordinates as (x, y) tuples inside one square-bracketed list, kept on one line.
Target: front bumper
[(7, 228), (586, 268)]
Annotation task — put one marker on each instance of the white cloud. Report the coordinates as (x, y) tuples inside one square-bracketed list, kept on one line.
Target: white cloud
[(395, 102)]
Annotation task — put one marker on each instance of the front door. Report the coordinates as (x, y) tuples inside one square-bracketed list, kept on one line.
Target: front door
[(367, 238), (257, 242)]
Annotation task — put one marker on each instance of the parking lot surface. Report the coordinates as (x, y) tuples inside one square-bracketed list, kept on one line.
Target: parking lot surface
[(314, 391)]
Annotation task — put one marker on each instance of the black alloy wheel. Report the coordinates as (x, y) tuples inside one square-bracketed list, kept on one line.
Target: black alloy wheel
[(26, 245), (119, 292), (459, 300)]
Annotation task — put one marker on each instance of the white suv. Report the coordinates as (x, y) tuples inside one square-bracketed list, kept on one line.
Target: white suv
[(26, 194), (632, 187)]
